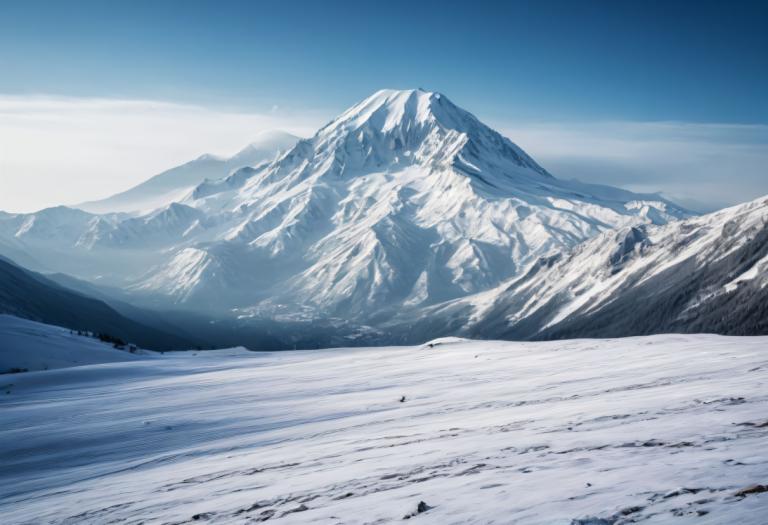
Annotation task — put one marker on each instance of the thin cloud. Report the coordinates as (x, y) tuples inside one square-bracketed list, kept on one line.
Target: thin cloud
[(703, 166), (56, 150)]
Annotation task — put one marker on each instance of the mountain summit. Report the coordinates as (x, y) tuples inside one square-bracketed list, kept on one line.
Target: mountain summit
[(402, 202), (418, 127)]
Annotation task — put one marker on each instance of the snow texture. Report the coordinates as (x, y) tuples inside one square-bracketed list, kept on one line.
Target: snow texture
[(660, 429), (705, 260)]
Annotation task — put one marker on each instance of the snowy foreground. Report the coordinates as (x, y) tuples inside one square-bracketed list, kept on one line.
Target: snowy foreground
[(29, 346), (662, 429)]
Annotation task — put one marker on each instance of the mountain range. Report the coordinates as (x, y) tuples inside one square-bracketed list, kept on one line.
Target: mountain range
[(173, 185), (402, 219), (703, 274)]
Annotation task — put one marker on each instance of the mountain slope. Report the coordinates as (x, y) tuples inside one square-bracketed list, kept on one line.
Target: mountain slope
[(28, 346), (31, 296), (172, 185), (704, 274), (202, 330)]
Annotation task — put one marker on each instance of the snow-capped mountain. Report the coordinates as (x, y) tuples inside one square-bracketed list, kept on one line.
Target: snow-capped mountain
[(703, 274), (402, 202), (172, 185)]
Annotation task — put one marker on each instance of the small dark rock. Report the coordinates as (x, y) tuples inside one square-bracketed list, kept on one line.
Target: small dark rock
[(265, 515), (761, 424), (681, 491), (592, 521), (253, 507), (630, 510), (300, 508), (421, 507), (752, 489)]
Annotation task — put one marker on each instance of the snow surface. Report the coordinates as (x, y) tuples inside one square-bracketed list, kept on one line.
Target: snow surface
[(661, 429), (758, 271), (27, 345)]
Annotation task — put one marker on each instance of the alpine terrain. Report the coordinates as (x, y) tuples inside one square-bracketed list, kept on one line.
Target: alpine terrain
[(402, 204), (703, 274)]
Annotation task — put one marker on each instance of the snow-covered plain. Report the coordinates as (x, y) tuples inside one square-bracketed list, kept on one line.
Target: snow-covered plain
[(660, 429)]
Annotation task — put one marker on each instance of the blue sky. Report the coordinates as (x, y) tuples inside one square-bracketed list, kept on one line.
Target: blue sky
[(693, 61), (514, 64)]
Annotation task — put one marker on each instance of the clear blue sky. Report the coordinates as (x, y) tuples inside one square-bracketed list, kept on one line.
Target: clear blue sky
[(695, 61)]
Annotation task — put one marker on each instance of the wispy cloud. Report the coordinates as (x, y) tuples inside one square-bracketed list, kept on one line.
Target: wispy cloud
[(703, 166), (56, 150)]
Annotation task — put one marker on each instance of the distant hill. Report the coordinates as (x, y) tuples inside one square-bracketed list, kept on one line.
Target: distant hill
[(30, 295), (173, 184)]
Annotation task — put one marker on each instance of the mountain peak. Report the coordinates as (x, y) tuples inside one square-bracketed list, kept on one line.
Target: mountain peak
[(425, 127), (390, 108), (271, 139)]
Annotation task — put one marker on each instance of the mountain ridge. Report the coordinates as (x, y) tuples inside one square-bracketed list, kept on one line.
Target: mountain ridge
[(403, 202), (703, 274), (173, 184), (30, 295)]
